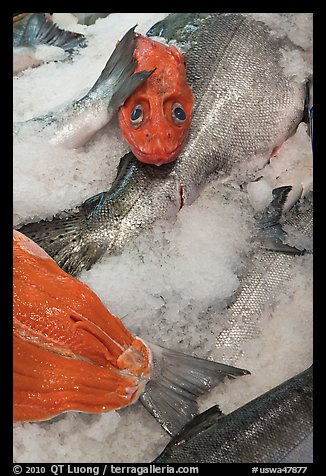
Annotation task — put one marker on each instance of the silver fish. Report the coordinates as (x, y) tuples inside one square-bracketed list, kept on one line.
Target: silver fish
[(273, 428), (38, 29), (245, 105)]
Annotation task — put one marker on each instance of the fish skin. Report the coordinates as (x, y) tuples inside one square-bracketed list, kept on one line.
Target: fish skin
[(244, 105), (265, 430), (39, 29), (158, 136), (74, 125), (71, 353)]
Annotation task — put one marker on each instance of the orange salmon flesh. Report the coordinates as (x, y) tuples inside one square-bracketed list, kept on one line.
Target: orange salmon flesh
[(163, 103), (70, 352)]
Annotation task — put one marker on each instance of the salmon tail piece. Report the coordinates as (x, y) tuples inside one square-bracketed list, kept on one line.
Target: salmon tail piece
[(177, 381)]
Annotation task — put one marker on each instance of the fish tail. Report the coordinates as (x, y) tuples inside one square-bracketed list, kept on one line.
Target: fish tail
[(176, 382), (40, 29), (119, 71), (63, 239), (272, 233)]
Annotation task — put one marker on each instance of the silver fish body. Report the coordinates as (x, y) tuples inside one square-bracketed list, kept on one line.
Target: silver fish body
[(245, 105), (268, 429)]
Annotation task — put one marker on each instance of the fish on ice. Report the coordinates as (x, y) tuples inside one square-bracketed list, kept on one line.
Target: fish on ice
[(155, 119), (33, 29), (245, 106), (72, 126), (276, 427), (71, 353), (269, 274)]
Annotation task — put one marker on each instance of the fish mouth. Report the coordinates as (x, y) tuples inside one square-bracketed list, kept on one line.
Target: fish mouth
[(156, 159)]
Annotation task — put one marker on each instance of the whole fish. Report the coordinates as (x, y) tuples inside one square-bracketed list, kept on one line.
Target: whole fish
[(32, 29), (273, 428), (156, 118), (245, 104), (73, 125), (71, 353)]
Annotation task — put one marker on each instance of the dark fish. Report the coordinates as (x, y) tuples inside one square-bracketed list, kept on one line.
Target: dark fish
[(38, 29), (273, 428), (245, 105)]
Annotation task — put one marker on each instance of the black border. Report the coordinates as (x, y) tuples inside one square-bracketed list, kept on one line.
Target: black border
[(7, 225)]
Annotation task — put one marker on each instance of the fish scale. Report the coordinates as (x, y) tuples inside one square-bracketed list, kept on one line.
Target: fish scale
[(244, 105)]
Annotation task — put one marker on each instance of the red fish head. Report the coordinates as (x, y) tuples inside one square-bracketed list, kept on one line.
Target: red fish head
[(156, 118)]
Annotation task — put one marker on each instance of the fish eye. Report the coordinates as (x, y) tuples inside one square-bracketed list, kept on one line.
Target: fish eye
[(178, 113), (136, 115)]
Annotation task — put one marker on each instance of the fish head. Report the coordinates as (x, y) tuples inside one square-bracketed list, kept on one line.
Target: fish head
[(156, 118)]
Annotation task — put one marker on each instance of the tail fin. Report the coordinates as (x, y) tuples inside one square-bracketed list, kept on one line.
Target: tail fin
[(178, 379), (272, 234), (40, 29), (119, 70), (63, 239)]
